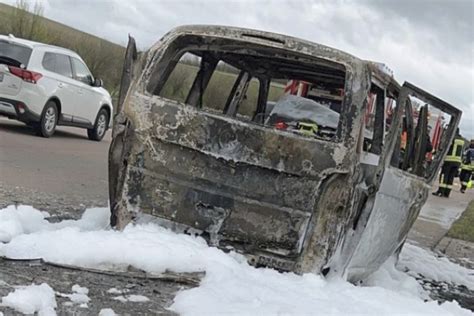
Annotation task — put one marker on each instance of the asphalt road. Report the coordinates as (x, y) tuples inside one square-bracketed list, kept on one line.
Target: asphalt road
[(66, 169)]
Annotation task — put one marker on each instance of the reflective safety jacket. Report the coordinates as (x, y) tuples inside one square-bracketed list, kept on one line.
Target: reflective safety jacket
[(308, 128), (455, 151)]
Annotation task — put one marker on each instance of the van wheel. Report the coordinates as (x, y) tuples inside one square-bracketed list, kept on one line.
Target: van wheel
[(100, 126), (49, 119)]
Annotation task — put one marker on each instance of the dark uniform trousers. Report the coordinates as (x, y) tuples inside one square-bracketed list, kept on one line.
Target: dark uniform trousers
[(465, 177), (450, 168), (446, 178)]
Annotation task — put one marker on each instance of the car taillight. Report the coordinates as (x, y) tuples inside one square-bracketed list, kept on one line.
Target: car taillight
[(281, 125), (26, 75)]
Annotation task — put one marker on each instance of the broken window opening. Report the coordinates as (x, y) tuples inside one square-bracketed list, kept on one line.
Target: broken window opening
[(305, 98), (374, 121), (420, 137), (181, 78)]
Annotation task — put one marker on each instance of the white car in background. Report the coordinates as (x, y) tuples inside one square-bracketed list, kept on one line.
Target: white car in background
[(45, 86)]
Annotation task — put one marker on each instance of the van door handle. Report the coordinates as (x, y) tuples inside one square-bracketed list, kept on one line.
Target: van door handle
[(60, 85)]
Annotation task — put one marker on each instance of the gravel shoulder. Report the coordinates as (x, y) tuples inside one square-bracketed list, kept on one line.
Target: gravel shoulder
[(160, 293)]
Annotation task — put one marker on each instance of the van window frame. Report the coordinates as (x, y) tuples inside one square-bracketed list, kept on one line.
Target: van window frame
[(163, 62)]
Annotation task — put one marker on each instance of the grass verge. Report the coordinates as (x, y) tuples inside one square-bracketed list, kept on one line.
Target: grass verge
[(463, 227)]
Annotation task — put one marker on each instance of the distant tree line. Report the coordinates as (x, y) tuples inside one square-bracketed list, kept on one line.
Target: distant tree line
[(104, 59)]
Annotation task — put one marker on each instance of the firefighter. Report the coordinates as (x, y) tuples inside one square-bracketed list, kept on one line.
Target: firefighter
[(451, 165), (467, 166)]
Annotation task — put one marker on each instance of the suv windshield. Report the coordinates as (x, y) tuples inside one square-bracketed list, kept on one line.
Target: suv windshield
[(14, 54)]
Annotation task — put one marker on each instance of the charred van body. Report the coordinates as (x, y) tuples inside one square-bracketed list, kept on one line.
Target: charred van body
[(300, 156)]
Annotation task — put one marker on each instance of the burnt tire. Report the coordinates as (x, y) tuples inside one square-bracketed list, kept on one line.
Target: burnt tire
[(100, 126), (49, 120)]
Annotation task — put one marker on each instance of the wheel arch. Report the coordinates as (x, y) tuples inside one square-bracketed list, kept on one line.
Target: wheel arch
[(58, 104), (108, 108)]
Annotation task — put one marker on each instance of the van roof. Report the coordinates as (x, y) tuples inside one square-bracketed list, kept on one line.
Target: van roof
[(378, 70), (268, 39)]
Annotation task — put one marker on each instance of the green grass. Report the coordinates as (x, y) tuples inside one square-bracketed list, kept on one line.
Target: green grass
[(463, 227), (181, 79)]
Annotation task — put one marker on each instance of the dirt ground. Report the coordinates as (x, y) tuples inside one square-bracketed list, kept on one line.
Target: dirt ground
[(61, 279)]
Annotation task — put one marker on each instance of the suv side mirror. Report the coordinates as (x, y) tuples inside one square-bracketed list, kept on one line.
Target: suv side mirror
[(98, 83)]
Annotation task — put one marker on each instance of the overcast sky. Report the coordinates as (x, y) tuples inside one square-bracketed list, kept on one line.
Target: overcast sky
[(427, 42)]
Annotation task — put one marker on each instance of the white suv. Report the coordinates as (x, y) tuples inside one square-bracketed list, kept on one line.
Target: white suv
[(45, 86)]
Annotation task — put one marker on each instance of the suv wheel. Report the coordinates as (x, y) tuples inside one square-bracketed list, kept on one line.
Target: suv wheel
[(100, 126), (49, 119)]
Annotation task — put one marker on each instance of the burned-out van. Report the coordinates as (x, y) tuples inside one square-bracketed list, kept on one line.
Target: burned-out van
[(299, 156)]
